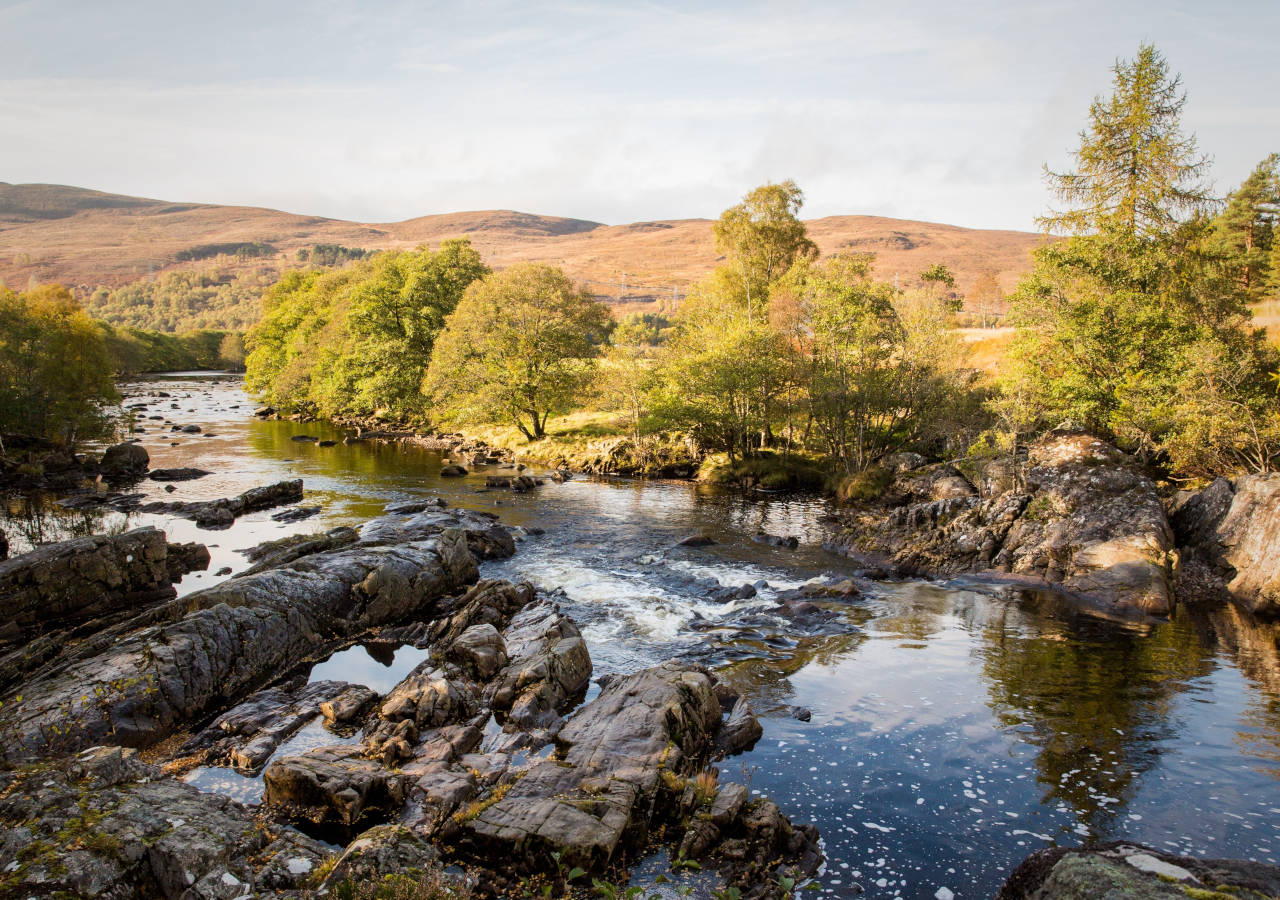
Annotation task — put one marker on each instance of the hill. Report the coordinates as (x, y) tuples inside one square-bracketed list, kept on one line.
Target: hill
[(89, 239)]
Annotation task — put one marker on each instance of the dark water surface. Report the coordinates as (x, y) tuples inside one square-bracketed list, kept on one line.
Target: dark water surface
[(953, 730)]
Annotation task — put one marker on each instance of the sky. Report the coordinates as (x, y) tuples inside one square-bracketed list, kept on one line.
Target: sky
[(613, 112)]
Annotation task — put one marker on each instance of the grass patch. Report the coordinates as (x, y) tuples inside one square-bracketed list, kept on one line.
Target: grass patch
[(865, 486), (767, 470)]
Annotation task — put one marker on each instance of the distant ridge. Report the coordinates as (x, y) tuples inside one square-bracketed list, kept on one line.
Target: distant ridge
[(87, 238)]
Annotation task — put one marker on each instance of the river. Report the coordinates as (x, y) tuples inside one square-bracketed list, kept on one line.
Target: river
[(953, 729)]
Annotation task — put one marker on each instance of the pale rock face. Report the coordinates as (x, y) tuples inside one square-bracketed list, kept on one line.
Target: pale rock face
[(1234, 527)]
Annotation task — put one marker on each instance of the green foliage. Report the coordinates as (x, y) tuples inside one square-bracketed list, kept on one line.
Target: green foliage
[(520, 346), (763, 237), (134, 351), (640, 328), (723, 375), (240, 250), (331, 255), (1245, 231), (1136, 326), (357, 341), (55, 369), (184, 301), (766, 469)]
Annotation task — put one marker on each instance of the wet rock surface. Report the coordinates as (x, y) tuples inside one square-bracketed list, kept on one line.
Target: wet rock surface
[(1127, 871), (222, 512), (1083, 520), (62, 591), (237, 636)]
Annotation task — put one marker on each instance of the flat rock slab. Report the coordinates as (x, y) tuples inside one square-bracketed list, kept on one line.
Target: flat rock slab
[(238, 636)]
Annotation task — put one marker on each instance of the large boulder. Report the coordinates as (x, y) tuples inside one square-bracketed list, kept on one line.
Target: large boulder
[(333, 783), (124, 461), (601, 793), (1233, 529), (1084, 520), (60, 593)]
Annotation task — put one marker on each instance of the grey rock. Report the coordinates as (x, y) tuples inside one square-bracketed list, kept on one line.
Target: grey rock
[(237, 636), (1235, 529), (740, 731), (151, 835)]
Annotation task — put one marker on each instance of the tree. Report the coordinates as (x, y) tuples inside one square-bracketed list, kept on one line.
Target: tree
[(357, 341), (938, 281), (520, 346), (987, 298), (55, 371), (231, 351), (1111, 319), (763, 236), (1136, 173), (1245, 229)]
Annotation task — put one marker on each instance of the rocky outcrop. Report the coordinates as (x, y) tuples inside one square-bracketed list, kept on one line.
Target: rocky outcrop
[(622, 767), (246, 736), (239, 635), (62, 591), (221, 513), (106, 825), (1134, 872), (1083, 520), (1231, 531)]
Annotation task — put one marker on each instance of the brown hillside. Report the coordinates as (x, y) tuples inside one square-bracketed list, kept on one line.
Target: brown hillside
[(87, 238)]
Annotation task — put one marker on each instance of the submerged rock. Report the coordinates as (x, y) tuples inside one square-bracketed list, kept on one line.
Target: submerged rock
[(296, 514), (185, 474)]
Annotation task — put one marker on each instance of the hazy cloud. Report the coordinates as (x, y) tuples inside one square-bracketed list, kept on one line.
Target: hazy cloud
[(613, 112)]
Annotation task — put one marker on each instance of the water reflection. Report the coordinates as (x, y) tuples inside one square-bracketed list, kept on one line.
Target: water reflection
[(33, 519), (1098, 698)]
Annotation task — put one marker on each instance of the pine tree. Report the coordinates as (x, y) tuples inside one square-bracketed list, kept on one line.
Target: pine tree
[(1136, 173), (1245, 229)]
